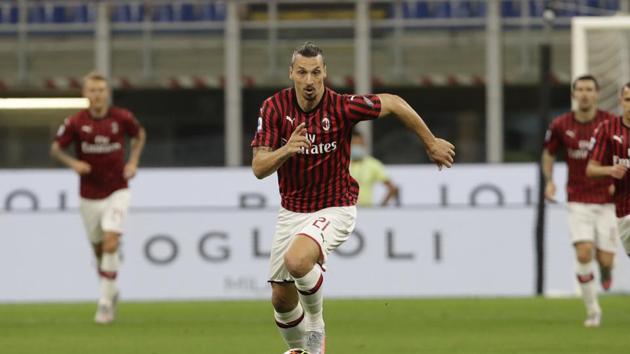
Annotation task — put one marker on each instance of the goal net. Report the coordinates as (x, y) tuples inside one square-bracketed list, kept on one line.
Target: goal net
[(601, 46)]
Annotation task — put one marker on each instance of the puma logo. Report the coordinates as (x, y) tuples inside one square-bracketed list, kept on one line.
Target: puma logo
[(289, 119), (618, 138), (570, 133)]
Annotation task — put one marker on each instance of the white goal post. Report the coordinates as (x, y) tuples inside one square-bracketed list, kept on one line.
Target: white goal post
[(601, 46)]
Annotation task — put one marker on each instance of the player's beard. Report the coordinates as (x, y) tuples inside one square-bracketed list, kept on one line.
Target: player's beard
[(585, 107), (309, 95)]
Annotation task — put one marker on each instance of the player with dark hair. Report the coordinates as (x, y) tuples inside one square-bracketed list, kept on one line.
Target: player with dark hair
[(304, 134), (98, 134), (590, 209), (610, 158)]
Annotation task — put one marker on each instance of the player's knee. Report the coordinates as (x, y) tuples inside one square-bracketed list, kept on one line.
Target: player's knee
[(584, 252), (110, 245), (297, 265), (584, 257)]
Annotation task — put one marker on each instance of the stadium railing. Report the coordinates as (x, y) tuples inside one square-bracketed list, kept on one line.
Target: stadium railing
[(60, 12)]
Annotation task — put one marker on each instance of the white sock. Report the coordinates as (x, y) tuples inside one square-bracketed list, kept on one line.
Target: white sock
[(108, 272), (291, 326), (311, 296), (589, 288)]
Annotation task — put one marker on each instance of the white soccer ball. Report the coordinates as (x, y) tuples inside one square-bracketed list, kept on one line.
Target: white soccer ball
[(296, 351)]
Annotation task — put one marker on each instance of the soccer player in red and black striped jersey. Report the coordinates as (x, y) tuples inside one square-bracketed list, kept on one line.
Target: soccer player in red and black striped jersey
[(304, 134), (610, 157), (98, 134), (591, 212)]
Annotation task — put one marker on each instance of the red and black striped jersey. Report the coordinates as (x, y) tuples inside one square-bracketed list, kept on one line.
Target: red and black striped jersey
[(101, 143), (317, 177), (574, 137), (611, 146)]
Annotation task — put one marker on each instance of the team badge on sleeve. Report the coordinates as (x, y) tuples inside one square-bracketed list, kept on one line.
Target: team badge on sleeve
[(259, 127)]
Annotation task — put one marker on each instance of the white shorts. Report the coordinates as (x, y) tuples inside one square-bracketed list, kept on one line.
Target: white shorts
[(595, 223), (106, 214), (624, 232), (329, 227)]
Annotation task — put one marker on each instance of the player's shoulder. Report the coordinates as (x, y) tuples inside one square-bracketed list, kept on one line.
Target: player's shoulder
[(77, 117), (605, 125), (605, 115), (120, 112), (564, 118), (280, 98)]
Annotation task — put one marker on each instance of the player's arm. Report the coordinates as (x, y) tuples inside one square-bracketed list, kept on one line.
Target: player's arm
[(60, 155), (547, 162), (595, 169), (136, 146), (439, 150), (266, 160)]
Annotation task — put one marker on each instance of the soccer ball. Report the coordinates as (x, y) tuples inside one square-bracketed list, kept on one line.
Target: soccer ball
[(296, 351)]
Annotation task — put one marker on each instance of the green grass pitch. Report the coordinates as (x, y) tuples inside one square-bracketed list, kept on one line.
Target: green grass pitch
[(432, 326)]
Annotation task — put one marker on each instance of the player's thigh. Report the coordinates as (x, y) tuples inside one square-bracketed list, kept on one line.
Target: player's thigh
[(330, 227), (91, 211), (606, 229), (115, 212), (288, 224), (582, 219)]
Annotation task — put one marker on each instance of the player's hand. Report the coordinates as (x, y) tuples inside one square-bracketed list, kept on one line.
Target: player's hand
[(130, 170), (550, 191), (298, 140), (442, 153), (81, 167), (618, 171)]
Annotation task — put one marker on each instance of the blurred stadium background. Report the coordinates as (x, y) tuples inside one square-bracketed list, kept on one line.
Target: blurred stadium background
[(195, 73)]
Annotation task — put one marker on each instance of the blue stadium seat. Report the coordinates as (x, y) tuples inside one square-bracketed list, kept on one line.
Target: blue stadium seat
[(415, 9), (219, 11), (163, 13), (440, 9), (536, 8), (59, 14), (14, 14), (467, 9), (83, 14), (128, 13), (6, 14), (510, 8), (187, 13)]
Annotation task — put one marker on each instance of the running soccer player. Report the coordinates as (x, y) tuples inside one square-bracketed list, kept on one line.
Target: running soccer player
[(591, 212), (98, 134), (304, 134), (610, 157)]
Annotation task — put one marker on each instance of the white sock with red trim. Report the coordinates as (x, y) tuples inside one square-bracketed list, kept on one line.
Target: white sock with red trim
[(311, 296), (108, 271), (586, 279), (291, 326)]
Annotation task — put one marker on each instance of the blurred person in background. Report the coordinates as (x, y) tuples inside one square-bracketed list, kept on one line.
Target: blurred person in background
[(610, 158), (98, 134), (368, 171), (304, 134), (590, 210)]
